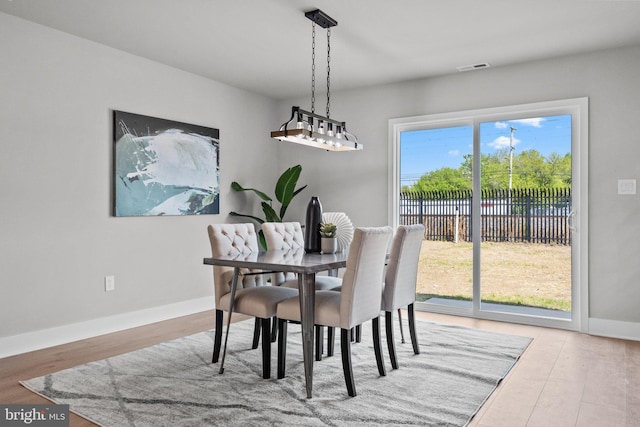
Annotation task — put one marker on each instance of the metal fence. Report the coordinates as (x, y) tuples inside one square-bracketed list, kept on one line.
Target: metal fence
[(519, 215)]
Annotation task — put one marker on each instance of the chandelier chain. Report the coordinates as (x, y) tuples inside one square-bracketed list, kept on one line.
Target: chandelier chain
[(328, 70), (313, 67)]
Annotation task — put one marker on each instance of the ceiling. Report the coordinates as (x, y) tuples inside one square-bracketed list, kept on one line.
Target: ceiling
[(264, 46)]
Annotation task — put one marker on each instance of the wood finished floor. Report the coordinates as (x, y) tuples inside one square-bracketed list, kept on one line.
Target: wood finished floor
[(563, 378)]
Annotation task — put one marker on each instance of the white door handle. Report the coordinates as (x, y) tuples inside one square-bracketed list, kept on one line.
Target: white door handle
[(570, 217)]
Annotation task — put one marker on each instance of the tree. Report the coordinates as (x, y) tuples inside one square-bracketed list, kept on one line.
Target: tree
[(530, 170), (442, 179), (560, 170)]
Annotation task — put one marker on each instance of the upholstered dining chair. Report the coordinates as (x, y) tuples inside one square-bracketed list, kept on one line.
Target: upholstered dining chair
[(283, 236), (289, 236), (400, 283), (358, 301), (253, 297)]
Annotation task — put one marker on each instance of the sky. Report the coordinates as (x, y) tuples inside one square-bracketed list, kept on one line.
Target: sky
[(424, 151)]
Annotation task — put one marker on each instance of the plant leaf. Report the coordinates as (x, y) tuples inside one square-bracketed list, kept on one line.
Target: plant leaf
[(255, 218), (287, 184), (285, 191), (299, 190), (263, 240), (238, 187), (269, 213), (283, 208)]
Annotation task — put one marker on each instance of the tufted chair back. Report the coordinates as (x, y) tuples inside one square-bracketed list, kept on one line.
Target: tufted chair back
[(283, 236), (232, 239), (402, 269)]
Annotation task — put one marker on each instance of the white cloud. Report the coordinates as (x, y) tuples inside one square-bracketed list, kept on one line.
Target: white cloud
[(501, 125), (503, 142), (536, 122), (454, 153)]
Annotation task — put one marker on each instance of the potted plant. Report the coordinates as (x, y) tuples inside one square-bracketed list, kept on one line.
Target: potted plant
[(328, 239), (285, 191)]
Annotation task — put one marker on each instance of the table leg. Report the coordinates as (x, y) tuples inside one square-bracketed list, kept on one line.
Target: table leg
[(307, 286), (234, 285)]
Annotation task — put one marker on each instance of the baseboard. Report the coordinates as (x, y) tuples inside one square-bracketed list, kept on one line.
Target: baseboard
[(36, 340), (614, 329)]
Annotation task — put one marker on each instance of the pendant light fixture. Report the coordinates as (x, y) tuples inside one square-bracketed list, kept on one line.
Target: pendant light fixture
[(307, 127)]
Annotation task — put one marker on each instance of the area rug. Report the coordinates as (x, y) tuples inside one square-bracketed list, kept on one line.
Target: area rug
[(175, 384)]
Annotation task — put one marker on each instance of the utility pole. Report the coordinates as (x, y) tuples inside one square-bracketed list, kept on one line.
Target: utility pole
[(511, 148)]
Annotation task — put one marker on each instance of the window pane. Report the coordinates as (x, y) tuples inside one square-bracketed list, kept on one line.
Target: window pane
[(436, 183), (526, 199)]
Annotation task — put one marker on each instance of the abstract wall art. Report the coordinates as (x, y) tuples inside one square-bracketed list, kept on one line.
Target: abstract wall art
[(164, 167)]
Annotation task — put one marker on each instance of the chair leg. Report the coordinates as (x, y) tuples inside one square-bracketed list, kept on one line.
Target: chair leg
[(377, 345), (319, 342), (388, 323), (274, 329), (282, 347), (217, 341), (345, 348), (266, 348), (401, 329), (359, 333), (256, 334), (412, 329), (330, 339)]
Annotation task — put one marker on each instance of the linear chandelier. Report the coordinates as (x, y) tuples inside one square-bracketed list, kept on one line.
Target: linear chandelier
[(307, 127)]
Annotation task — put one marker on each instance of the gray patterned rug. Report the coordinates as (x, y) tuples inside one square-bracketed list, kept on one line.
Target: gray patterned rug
[(174, 383)]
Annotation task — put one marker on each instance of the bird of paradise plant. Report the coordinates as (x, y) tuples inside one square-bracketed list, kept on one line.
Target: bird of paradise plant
[(285, 191)]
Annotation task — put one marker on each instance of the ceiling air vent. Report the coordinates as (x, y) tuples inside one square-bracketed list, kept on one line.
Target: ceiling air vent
[(473, 67)]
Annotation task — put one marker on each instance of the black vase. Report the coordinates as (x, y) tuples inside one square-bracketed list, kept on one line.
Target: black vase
[(312, 226)]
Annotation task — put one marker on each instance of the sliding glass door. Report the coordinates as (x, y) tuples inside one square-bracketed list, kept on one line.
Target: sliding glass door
[(525, 206), (499, 192), (435, 185)]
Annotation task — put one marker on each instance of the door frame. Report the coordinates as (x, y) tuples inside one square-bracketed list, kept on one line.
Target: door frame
[(578, 108)]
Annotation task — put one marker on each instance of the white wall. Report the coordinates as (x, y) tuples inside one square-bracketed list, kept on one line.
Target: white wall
[(357, 182), (58, 236)]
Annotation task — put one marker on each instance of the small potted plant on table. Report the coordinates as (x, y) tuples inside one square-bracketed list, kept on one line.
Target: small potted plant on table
[(328, 240)]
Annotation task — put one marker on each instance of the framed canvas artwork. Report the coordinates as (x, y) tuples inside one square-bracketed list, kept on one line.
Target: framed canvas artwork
[(164, 167)]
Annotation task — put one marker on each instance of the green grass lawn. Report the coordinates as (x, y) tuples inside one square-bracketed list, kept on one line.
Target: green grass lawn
[(522, 274)]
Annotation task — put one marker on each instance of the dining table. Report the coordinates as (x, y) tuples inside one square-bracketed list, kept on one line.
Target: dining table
[(306, 266)]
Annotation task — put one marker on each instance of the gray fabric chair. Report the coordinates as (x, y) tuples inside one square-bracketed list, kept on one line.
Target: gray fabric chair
[(358, 301), (400, 283), (253, 297)]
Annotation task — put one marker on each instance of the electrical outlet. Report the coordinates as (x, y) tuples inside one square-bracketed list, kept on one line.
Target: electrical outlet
[(109, 283), (627, 186)]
